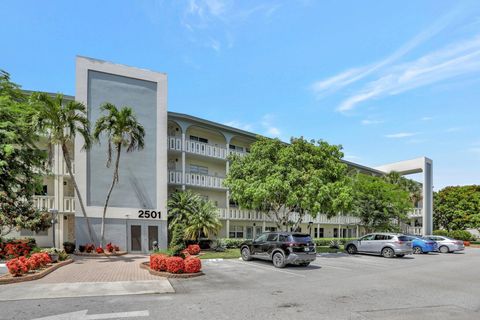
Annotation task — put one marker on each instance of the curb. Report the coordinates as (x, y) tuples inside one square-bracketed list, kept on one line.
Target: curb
[(7, 279)]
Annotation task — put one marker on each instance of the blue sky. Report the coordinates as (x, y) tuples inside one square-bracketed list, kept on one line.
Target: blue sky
[(387, 80)]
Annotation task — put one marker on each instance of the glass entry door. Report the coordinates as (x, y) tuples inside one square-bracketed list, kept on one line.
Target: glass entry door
[(136, 238), (152, 236)]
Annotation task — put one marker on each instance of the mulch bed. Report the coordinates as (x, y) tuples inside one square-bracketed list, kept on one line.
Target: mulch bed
[(146, 265), (8, 278), (97, 255)]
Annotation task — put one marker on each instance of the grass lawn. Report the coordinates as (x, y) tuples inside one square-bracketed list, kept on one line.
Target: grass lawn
[(227, 254), (326, 249)]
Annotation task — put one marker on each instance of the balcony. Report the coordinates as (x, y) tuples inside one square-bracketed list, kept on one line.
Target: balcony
[(46, 203), (240, 214), (196, 180), (415, 213), (201, 148)]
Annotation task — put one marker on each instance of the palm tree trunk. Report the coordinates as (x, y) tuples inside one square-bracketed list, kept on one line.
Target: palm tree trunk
[(114, 181), (68, 162)]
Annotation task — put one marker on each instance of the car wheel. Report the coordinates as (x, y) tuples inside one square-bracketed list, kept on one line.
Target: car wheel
[(444, 249), (417, 250), (278, 260), (388, 253), (351, 249), (305, 264), (246, 256)]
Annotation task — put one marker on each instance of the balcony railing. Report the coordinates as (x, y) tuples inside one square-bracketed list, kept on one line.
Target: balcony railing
[(46, 203), (196, 179), (240, 214), (201, 148), (415, 213)]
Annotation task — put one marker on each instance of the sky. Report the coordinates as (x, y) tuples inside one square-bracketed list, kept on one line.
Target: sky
[(387, 80)]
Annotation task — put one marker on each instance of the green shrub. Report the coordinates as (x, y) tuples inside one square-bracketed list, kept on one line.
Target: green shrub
[(232, 243), (461, 235), (441, 233), (322, 242), (177, 244)]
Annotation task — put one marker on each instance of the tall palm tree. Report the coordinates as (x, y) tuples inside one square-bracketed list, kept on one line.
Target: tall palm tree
[(122, 130), (203, 220), (181, 205), (60, 121)]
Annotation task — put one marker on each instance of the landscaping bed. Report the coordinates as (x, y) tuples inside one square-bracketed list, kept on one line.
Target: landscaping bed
[(165, 274), (184, 264), (33, 274)]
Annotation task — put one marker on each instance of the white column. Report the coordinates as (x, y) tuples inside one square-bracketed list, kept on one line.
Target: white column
[(264, 226), (427, 212), (228, 228), (227, 198), (357, 234), (183, 161), (318, 231)]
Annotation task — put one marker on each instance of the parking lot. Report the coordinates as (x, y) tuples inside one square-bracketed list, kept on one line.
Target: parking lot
[(335, 286)]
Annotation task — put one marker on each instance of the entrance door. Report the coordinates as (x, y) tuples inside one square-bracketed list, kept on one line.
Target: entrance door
[(152, 236), (136, 238)]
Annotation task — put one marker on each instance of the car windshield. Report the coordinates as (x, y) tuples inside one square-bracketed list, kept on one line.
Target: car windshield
[(301, 238)]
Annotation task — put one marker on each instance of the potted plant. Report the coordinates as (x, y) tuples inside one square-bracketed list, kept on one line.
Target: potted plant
[(81, 248), (69, 247), (53, 253)]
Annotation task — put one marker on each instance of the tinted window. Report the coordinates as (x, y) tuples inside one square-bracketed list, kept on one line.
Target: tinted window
[(272, 237), (368, 237), (404, 238), (380, 237), (301, 238), (261, 238), (283, 238)]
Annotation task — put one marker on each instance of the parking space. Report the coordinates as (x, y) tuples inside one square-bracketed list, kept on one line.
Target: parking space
[(340, 286)]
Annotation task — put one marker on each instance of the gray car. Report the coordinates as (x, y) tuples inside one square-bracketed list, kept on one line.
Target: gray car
[(388, 245), (446, 244)]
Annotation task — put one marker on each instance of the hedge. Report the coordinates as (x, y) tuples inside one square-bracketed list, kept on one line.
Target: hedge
[(455, 234), (235, 243)]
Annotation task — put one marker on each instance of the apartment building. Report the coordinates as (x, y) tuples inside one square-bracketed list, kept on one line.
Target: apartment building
[(182, 152)]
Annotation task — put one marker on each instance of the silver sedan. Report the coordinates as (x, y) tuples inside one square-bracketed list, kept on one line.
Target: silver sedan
[(388, 245), (446, 244)]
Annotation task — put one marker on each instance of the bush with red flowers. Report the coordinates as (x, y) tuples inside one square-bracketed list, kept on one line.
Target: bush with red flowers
[(16, 267), (99, 250), (193, 249), (192, 265), (15, 248), (158, 262), (89, 247), (109, 247), (175, 265)]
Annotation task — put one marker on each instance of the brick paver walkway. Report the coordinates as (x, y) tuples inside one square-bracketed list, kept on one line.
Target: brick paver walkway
[(104, 269)]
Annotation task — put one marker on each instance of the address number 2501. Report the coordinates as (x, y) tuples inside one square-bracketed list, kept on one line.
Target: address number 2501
[(149, 214)]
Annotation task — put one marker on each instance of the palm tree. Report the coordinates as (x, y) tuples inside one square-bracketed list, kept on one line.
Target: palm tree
[(181, 205), (60, 121), (203, 220), (122, 129)]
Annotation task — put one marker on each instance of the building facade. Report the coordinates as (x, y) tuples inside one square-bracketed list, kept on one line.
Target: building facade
[(182, 152)]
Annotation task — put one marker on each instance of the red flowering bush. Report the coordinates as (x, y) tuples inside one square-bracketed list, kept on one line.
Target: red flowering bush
[(193, 249), (99, 250), (15, 249), (192, 265), (109, 247), (116, 248), (175, 265), (89, 247), (16, 267), (158, 262)]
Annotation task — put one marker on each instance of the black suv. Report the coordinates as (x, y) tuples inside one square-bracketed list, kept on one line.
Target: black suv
[(281, 248)]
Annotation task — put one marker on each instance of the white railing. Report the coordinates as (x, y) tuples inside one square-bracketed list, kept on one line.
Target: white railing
[(175, 143), (415, 213), (414, 230), (44, 203), (240, 214), (196, 179), (205, 149), (68, 204), (239, 153)]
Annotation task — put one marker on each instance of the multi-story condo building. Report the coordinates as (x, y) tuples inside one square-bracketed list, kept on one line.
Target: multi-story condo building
[(194, 156)]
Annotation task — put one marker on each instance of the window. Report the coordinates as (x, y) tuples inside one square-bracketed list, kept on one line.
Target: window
[(283, 238), (335, 232), (199, 139), (272, 237), (236, 148), (300, 238), (367, 237), (236, 232), (261, 238), (249, 232), (270, 229), (381, 237), (319, 232), (198, 169)]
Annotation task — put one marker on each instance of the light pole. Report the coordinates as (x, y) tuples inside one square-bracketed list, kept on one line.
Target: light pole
[(54, 213)]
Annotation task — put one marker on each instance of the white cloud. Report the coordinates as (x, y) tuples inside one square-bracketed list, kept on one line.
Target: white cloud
[(270, 128), (427, 118), (239, 125), (345, 78), (454, 60), (367, 122), (400, 135)]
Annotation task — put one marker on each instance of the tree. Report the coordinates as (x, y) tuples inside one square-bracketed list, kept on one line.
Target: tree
[(60, 121), (204, 220), (379, 203), (20, 162), (122, 130), (181, 206), (457, 207), (412, 187), (287, 181)]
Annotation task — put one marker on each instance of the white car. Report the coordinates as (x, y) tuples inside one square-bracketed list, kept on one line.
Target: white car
[(446, 244)]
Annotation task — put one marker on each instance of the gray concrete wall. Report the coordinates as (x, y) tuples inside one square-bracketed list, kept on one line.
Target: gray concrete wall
[(117, 231)]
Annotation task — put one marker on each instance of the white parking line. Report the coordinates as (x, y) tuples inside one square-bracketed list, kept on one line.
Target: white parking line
[(268, 268)]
